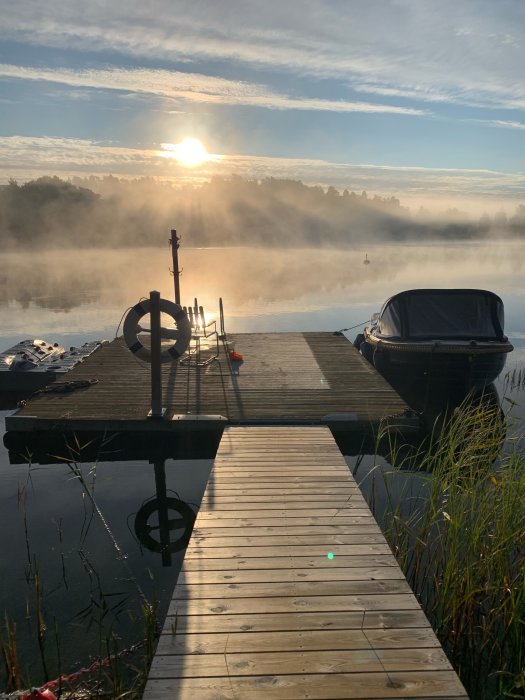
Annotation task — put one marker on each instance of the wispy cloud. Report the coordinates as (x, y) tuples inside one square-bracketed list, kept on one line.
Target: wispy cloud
[(469, 52), (194, 87), (406, 92), (505, 124), (44, 155)]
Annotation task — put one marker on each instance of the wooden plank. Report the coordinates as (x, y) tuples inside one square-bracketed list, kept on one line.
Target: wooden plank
[(292, 595), (304, 530), (350, 503), (269, 490), (316, 603), (233, 521), (350, 573), (296, 621), (273, 504), (320, 550), (307, 640), (213, 498), (286, 464), (325, 686), (283, 539), (318, 562), (276, 477), (290, 662), (267, 513), (296, 588)]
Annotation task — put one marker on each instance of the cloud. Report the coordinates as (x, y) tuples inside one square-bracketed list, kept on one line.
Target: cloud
[(44, 155), (412, 92), (193, 87), (469, 52), (26, 158), (505, 124)]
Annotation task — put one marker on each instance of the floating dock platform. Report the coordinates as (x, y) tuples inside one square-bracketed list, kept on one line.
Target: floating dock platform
[(284, 378), (289, 590)]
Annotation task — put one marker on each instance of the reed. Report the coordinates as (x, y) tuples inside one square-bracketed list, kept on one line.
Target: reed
[(460, 540), (9, 650), (115, 672), (119, 673)]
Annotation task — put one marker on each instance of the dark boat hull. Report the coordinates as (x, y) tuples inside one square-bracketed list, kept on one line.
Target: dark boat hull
[(469, 370)]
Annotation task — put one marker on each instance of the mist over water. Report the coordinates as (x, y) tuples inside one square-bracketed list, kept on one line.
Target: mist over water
[(75, 291)]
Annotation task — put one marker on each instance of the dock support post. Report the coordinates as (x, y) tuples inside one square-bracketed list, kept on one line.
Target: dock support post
[(156, 378)]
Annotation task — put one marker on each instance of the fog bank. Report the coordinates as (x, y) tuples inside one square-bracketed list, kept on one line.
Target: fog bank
[(109, 212)]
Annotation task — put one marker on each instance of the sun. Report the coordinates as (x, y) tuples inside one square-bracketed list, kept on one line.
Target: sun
[(189, 152)]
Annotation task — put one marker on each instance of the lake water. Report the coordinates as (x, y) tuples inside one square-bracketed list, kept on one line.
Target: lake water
[(81, 549)]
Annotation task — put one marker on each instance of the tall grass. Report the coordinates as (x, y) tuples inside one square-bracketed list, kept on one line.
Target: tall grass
[(461, 544), (115, 671)]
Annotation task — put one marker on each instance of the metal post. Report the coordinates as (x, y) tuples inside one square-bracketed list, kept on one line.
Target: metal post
[(156, 380), (174, 242)]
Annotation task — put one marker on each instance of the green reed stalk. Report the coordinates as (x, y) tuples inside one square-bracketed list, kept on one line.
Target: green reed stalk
[(121, 678), (41, 626), (9, 650), (460, 541)]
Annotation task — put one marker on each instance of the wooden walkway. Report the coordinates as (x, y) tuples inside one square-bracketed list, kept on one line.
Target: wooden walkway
[(288, 589), (284, 378)]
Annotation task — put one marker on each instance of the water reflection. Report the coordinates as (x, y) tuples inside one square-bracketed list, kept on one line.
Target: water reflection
[(515, 380), (42, 447), (435, 400), (173, 533), (446, 408), (70, 528)]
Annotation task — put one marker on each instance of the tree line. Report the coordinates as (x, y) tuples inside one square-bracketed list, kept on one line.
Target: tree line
[(111, 212)]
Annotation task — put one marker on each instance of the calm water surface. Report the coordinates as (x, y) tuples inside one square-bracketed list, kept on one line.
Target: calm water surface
[(76, 535)]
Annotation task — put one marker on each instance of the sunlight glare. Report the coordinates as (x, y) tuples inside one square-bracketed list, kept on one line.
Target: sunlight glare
[(189, 152)]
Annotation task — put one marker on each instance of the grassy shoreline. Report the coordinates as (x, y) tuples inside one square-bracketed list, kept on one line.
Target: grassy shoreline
[(460, 541)]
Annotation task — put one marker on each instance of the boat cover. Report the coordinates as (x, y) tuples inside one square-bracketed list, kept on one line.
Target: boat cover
[(452, 314)]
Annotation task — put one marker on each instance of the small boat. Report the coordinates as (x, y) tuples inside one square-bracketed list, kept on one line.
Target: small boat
[(32, 364), (453, 335)]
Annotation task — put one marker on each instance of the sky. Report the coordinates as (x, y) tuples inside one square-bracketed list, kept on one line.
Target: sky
[(423, 100)]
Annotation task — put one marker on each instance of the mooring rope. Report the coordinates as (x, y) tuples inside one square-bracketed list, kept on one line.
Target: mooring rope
[(72, 677), (352, 327)]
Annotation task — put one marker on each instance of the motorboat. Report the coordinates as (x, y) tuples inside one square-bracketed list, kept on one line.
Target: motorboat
[(34, 363), (453, 335)]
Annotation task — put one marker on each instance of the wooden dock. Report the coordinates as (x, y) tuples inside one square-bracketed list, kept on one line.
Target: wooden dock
[(285, 378), (288, 589)]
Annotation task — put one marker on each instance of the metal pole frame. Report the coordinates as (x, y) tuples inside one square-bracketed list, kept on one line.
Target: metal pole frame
[(174, 243), (157, 411)]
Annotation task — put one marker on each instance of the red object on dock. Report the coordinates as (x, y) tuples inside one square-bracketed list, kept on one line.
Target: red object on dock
[(235, 355)]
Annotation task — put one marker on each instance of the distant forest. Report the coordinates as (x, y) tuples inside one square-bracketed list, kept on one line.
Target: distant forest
[(110, 212)]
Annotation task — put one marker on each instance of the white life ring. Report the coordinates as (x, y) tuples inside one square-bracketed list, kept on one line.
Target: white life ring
[(131, 328)]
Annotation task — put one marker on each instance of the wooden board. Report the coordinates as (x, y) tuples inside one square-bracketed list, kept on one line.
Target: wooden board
[(323, 686), (289, 590)]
